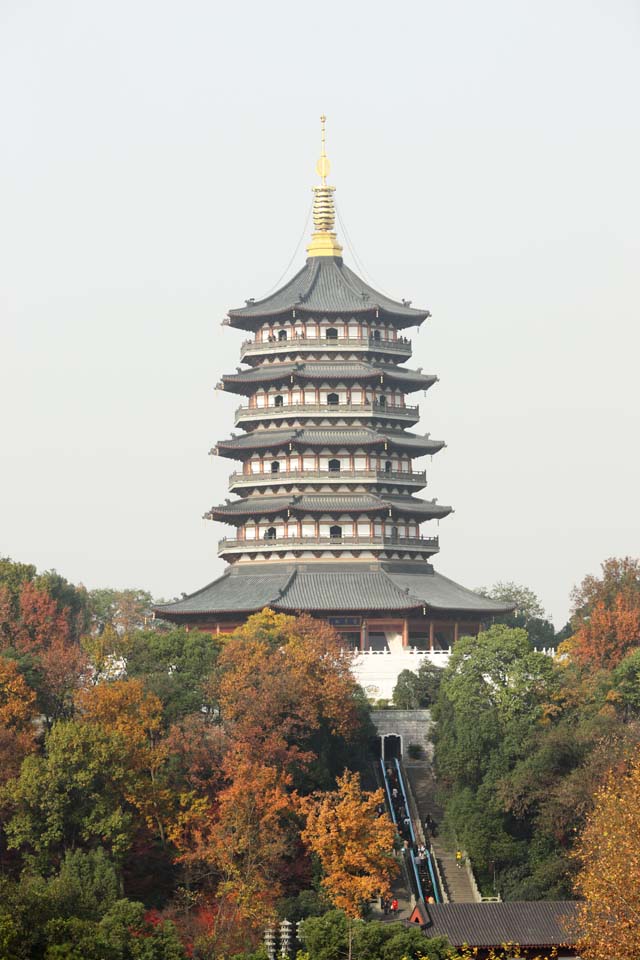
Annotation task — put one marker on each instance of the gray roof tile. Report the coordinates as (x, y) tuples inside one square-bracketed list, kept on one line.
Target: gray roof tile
[(544, 923), (326, 285), (390, 586)]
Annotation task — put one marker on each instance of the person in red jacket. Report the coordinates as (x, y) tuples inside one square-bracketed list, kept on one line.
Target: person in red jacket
[(394, 906)]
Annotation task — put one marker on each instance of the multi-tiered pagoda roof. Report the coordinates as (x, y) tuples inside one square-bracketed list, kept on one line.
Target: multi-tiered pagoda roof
[(326, 515)]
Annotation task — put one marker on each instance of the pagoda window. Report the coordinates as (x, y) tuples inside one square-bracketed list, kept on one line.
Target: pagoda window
[(331, 333), (334, 466), (376, 334), (382, 400), (360, 463), (335, 532), (278, 401), (275, 466), (250, 531), (282, 334), (394, 533), (270, 533), (363, 528), (333, 398), (388, 466)]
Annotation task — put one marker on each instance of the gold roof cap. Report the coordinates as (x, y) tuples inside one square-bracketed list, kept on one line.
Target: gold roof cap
[(323, 239)]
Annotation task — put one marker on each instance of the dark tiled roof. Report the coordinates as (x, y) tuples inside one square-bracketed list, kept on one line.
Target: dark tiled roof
[(230, 594), (347, 587), (329, 437), (441, 593), (279, 373), (329, 503), (326, 285), (337, 591), (545, 923)]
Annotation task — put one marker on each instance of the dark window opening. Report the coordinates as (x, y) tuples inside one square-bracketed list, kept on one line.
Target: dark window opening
[(335, 532), (278, 401), (331, 334), (270, 533), (282, 334), (275, 466), (382, 400), (334, 465), (333, 398), (388, 466), (376, 334)]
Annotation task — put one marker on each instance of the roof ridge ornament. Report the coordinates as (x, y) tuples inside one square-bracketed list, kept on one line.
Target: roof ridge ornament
[(323, 240)]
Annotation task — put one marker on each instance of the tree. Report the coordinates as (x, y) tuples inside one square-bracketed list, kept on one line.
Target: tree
[(354, 845), (326, 938), (248, 834), (78, 914), (72, 797), (175, 665), (525, 602), (417, 689), (609, 878), (134, 715), (625, 692), (17, 713), (527, 612), (285, 690), (40, 637), (619, 575), (611, 629), (123, 610)]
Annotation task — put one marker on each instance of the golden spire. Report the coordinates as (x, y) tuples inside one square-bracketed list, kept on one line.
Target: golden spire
[(323, 240)]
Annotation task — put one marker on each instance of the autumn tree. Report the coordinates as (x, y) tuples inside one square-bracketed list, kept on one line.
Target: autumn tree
[(40, 636), (17, 713), (609, 878), (611, 629), (354, 844), (282, 684), (247, 836), (131, 713)]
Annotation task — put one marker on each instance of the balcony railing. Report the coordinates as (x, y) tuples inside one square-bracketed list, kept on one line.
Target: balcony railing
[(389, 411), (401, 346), (395, 477), (415, 544)]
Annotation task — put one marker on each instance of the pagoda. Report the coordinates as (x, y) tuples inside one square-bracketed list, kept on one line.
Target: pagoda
[(327, 515)]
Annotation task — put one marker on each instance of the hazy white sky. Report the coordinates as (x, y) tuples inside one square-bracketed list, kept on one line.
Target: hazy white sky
[(156, 160)]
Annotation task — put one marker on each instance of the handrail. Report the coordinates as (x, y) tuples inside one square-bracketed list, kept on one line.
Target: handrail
[(401, 345), (337, 408), (308, 475), (302, 541), (413, 837)]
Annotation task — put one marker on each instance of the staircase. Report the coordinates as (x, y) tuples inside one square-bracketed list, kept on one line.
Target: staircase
[(458, 881)]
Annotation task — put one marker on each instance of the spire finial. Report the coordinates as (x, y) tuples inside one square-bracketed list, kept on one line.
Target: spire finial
[(323, 240), (323, 166)]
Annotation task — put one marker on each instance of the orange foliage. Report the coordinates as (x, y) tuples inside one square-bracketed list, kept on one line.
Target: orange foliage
[(610, 631), (17, 712), (609, 879), (354, 845), (43, 634), (126, 708), (279, 679), (247, 835)]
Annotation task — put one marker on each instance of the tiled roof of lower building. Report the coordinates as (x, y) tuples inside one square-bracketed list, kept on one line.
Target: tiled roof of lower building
[(545, 923), (341, 586)]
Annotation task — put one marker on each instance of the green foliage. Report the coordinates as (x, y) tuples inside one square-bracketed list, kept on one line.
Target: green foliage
[(123, 610), (72, 795), (417, 689), (174, 665), (326, 938), (626, 686), (528, 612)]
